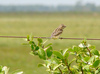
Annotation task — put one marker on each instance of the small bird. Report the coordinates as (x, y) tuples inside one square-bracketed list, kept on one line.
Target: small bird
[(58, 31)]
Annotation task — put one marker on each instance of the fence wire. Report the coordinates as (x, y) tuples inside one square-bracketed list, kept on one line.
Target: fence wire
[(50, 38)]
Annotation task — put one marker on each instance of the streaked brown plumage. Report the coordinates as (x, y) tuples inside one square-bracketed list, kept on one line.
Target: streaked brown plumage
[(58, 31)]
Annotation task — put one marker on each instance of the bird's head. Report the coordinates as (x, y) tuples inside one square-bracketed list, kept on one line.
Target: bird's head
[(62, 26)]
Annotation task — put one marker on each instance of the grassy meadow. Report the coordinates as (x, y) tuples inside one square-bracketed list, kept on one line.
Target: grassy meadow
[(16, 56)]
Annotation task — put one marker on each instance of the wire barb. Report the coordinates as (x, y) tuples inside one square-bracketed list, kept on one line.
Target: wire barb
[(48, 38)]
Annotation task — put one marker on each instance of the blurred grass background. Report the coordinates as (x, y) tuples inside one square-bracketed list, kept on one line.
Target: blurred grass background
[(16, 56)]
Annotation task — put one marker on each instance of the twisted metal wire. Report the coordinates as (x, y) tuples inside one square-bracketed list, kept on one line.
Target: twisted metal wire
[(50, 38)]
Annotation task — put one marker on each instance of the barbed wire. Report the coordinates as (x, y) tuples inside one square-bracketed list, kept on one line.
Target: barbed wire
[(50, 38)]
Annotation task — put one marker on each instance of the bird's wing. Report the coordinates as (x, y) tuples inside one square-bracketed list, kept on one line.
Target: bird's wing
[(56, 33)]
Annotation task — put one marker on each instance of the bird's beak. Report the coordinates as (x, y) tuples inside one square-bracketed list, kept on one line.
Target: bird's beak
[(64, 26)]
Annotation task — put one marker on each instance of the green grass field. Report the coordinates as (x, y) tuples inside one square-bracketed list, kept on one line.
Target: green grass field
[(16, 56)]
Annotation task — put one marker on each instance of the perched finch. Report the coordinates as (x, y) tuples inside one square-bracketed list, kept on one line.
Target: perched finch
[(58, 31)]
